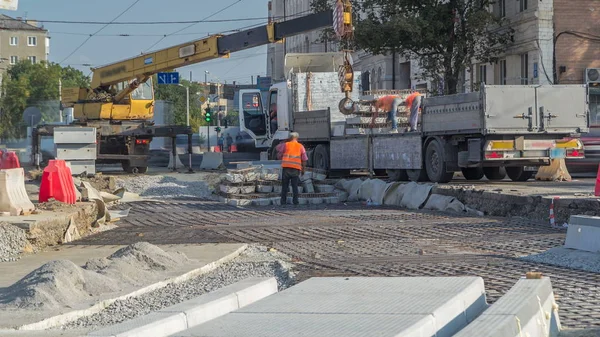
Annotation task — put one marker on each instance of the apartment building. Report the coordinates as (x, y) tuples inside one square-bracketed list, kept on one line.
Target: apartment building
[(22, 40)]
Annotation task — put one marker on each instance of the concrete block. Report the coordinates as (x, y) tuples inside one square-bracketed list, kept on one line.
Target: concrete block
[(253, 289), (357, 307), (205, 308), (583, 233), (527, 309), (211, 160), (152, 325)]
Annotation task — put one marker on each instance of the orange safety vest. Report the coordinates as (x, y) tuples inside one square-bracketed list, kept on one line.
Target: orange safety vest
[(292, 156), (410, 99)]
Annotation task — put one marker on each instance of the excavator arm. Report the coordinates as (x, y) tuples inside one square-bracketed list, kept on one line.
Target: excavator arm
[(139, 69)]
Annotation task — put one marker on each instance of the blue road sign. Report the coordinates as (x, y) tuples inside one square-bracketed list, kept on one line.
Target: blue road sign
[(168, 78)]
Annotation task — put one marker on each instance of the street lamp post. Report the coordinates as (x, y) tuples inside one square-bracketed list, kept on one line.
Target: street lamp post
[(187, 96)]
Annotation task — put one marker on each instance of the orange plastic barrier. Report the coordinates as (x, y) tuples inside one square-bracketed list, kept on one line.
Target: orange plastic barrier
[(10, 160), (57, 183), (217, 148), (233, 148)]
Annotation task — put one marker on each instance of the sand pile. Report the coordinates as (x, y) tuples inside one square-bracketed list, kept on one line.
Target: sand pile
[(137, 263), (59, 284), (54, 285)]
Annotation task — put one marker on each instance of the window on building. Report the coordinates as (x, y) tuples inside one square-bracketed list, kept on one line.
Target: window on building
[(14, 59), (523, 5), (525, 69), (32, 59), (482, 74), (31, 41), (503, 72), (501, 8), (379, 79), (14, 40)]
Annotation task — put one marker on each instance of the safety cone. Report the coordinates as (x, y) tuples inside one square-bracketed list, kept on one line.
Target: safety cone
[(597, 189), (552, 220)]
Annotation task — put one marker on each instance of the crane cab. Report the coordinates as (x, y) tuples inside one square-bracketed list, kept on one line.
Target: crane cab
[(138, 105)]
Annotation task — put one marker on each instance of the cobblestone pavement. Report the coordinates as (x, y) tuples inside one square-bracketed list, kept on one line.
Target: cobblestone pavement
[(351, 239)]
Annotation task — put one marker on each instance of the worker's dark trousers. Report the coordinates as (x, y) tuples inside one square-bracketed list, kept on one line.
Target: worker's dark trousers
[(289, 175)]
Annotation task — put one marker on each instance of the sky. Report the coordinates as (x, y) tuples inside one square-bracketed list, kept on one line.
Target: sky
[(103, 48)]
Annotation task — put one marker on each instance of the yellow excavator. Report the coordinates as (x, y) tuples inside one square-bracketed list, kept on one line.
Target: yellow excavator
[(120, 102)]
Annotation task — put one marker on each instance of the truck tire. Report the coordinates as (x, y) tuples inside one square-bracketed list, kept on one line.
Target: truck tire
[(518, 173), (494, 173), (321, 158), (435, 163), (472, 173), (397, 175), (272, 151), (417, 175)]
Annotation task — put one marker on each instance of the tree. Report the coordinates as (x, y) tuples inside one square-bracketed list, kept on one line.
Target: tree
[(27, 84), (445, 36), (177, 96)]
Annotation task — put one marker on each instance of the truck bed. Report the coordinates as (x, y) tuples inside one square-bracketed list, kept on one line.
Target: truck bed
[(507, 109)]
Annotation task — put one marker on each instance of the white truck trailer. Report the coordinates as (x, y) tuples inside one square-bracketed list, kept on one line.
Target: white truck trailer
[(497, 131)]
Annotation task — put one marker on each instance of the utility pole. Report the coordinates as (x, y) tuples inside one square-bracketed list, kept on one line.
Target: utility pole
[(187, 113), (60, 109)]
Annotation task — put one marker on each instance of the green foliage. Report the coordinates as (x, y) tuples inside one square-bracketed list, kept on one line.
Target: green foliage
[(177, 96), (26, 84), (444, 35)]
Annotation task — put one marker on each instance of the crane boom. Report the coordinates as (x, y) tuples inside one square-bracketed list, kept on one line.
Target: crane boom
[(144, 66)]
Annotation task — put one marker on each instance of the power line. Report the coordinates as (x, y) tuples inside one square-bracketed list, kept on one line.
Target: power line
[(186, 27), (98, 31)]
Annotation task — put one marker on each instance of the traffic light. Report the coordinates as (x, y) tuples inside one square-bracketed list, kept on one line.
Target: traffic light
[(208, 115), (218, 129)]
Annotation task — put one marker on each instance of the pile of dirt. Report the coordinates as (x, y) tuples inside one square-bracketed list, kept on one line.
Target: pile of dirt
[(54, 285), (53, 205), (137, 263), (102, 183)]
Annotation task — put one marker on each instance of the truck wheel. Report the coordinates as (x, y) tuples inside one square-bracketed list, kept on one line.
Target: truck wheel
[(435, 163), (518, 173), (272, 151), (321, 158), (417, 175), (397, 175), (494, 173), (472, 173)]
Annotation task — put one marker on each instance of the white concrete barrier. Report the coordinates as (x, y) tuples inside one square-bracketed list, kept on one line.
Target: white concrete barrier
[(194, 312), (174, 160), (583, 233), (527, 309), (211, 160), (13, 196)]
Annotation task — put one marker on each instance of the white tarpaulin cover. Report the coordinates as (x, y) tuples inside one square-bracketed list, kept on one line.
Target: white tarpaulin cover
[(10, 5)]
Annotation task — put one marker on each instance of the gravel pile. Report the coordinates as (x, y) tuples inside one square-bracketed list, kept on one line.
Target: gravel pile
[(12, 242), (254, 262), (165, 187), (568, 258)]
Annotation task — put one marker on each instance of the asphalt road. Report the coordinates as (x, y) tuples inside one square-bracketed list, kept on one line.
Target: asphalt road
[(345, 240)]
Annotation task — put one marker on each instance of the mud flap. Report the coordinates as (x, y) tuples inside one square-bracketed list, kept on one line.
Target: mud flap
[(556, 171)]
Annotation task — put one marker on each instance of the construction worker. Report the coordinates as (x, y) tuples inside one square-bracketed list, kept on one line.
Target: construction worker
[(388, 104), (413, 103), (293, 162)]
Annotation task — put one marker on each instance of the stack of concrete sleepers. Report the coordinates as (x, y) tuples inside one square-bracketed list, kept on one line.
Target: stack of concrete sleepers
[(77, 146), (261, 186)]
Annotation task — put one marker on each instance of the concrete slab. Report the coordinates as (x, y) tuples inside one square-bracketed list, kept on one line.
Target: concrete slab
[(195, 312), (156, 324), (354, 325), (583, 233), (206, 257), (527, 309), (399, 306)]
